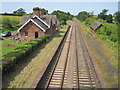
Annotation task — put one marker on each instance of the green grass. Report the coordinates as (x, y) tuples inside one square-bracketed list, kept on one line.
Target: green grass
[(14, 21), (17, 18), (4, 46)]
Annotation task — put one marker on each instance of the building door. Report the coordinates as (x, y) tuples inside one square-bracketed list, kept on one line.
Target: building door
[(36, 34)]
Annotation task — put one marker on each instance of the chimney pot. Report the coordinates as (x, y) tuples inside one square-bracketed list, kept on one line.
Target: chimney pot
[(36, 11), (40, 11), (47, 12)]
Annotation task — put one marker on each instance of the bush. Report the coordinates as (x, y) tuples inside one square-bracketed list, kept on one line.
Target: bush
[(10, 59), (90, 20), (109, 31), (82, 16)]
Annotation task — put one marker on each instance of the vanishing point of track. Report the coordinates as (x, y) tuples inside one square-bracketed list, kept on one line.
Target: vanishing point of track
[(71, 67)]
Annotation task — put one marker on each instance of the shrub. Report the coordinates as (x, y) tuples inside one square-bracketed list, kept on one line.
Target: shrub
[(90, 20), (11, 58), (109, 31)]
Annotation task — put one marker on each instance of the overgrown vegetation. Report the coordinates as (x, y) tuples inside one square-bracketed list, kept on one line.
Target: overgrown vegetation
[(108, 49), (109, 30), (107, 40), (117, 16)]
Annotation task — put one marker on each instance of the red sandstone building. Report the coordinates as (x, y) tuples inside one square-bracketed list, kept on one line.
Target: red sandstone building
[(36, 25)]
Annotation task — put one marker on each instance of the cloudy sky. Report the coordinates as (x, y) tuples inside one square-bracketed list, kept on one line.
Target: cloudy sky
[(72, 7)]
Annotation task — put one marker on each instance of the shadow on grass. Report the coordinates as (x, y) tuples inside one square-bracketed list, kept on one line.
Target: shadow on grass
[(8, 77)]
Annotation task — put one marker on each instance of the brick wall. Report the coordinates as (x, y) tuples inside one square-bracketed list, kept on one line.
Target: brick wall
[(93, 31), (31, 29)]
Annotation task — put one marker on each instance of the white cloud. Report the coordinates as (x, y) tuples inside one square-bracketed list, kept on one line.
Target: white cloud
[(60, 0)]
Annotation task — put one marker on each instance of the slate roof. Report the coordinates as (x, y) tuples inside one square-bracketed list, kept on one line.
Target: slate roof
[(45, 18), (49, 18), (40, 23), (95, 25), (25, 18)]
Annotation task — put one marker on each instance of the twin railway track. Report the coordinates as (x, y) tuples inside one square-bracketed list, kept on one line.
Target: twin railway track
[(71, 67)]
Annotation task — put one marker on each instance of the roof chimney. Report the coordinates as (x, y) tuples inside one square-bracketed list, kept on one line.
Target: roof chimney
[(40, 11), (46, 12), (36, 11)]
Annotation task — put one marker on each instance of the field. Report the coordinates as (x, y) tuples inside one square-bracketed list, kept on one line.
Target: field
[(7, 46), (17, 18), (14, 21)]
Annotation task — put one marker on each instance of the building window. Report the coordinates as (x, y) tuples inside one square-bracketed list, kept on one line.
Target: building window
[(26, 33)]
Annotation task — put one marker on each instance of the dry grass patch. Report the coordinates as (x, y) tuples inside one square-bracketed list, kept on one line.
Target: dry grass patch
[(111, 53)]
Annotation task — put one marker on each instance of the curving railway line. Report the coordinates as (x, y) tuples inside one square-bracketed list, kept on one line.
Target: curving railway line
[(71, 66)]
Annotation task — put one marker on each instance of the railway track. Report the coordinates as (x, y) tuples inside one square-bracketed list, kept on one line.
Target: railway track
[(72, 67)]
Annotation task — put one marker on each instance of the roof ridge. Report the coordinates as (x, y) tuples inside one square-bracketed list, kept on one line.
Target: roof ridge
[(42, 21)]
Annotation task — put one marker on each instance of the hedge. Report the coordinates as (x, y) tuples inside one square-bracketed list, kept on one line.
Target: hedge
[(12, 58)]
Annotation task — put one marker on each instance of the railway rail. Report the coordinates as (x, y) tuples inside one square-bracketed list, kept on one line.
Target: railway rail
[(71, 66)]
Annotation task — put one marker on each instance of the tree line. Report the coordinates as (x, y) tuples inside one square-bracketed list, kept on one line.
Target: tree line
[(21, 12), (102, 15), (64, 16), (8, 24)]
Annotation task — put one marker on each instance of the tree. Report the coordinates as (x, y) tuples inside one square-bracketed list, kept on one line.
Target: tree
[(117, 16), (109, 18), (20, 11), (6, 23), (102, 14), (104, 11), (91, 13), (43, 11), (83, 15), (62, 16)]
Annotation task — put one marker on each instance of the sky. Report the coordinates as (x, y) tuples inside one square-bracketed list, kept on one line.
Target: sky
[(60, 0), (72, 7)]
